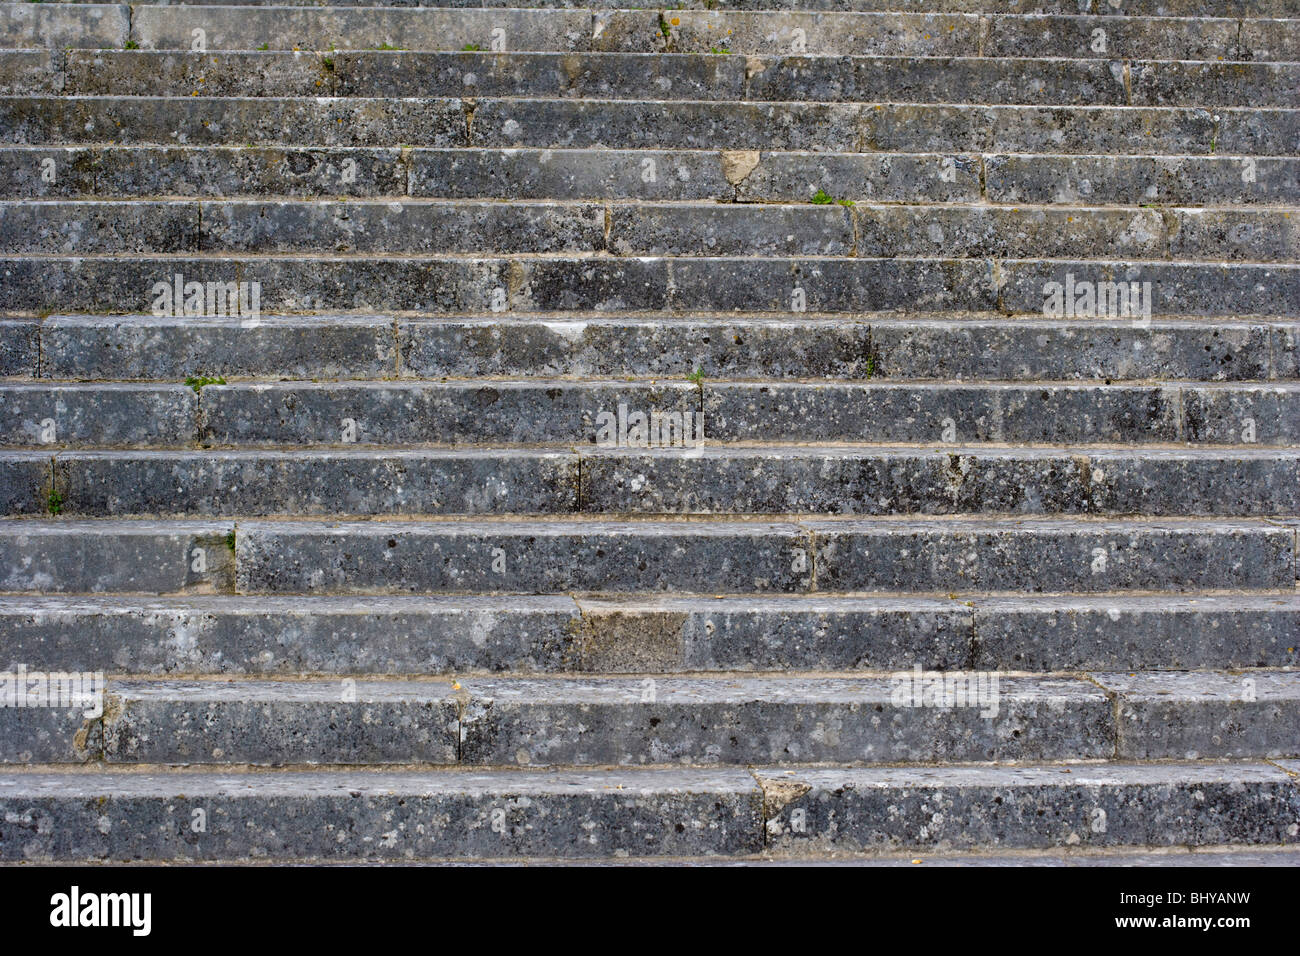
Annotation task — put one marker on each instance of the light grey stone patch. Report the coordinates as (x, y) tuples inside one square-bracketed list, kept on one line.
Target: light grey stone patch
[(89, 227), (246, 28), (19, 347), (64, 25)]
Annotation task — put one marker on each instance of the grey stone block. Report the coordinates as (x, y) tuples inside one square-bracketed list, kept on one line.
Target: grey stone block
[(729, 230), (1162, 482), (1120, 37), (184, 72), (154, 347), (49, 734), (1050, 806), (774, 719), (246, 28), (380, 815), (299, 722), (64, 25), (1035, 554), (225, 634), (658, 347), (1198, 715), (1065, 350), (58, 228), (513, 556), (107, 414), (71, 557), (408, 227), (896, 177), (19, 347), (1165, 631), (24, 483), (516, 174), (286, 483), (891, 412), (543, 412), (772, 633), (698, 31), (234, 121), (26, 72), (1268, 414), (799, 480), (1142, 179), (1229, 289), (314, 283)]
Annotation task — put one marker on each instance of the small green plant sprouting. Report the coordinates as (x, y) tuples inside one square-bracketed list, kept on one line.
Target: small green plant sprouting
[(328, 63), (471, 48), (697, 376), (265, 46), (54, 503), (230, 540), (822, 198), (130, 45), (846, 203), (871, 366), (387, 46), (720, 50), (664, 28), (197, 382)]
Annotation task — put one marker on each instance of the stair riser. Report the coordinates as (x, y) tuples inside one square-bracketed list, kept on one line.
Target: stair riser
[(610, 173), (558, 284), (871, 231), (789, 482), (148, 348), (633, 76), (566, 124), (1050, 811), (550, 634)]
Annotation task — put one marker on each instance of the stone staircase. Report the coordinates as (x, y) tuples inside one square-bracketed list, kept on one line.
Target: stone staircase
[(328, 333)]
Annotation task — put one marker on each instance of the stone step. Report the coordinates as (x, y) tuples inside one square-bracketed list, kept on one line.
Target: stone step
[(638, 634), (1195, 715), (716, 481), (443, 285), (148, 347), (1148, 8), (667, 75), (560, 411), (505, 721), (500, 721), (870, 230), (554, 412), (1101, 805), (646, 175), (604, 814), (946, 554), (697, 31), (655, 124)]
